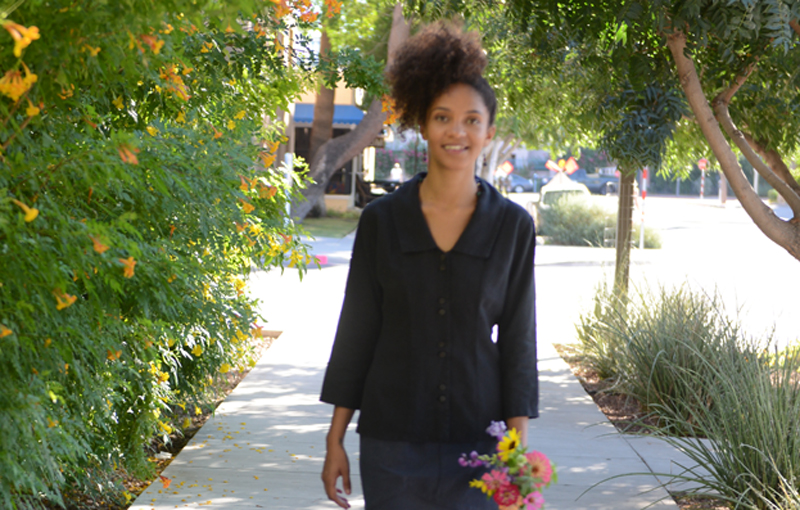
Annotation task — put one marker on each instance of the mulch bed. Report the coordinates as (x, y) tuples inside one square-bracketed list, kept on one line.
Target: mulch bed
[(625, 413), (225, 385)]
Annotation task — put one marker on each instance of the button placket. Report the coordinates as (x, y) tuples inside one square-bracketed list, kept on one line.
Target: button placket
[(442, 352)]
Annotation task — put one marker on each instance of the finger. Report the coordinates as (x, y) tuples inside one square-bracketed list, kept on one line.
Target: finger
[(346, 481)]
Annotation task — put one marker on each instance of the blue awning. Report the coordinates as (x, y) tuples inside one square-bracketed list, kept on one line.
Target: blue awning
[(342, 114)]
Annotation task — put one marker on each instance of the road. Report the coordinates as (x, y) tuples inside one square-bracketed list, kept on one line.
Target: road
[(708, 246)]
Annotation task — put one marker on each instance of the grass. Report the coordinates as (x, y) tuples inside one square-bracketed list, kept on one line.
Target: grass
[(330, 226)]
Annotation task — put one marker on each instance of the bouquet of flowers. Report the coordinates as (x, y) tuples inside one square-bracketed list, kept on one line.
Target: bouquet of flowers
[(516, 477)]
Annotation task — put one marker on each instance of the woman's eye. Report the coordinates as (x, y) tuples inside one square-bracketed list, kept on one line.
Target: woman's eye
[(441, 118), (473, 121)]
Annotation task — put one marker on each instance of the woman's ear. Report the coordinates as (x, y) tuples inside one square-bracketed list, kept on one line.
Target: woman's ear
[(489, 135), (422, 132)]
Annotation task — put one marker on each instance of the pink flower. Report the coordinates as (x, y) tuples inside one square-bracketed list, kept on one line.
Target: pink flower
[(533, 501), (495, 480), (539, 467), (508, 495)]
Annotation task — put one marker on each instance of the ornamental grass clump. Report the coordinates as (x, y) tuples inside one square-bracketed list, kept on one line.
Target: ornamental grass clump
[(750, 451), (729, 402)]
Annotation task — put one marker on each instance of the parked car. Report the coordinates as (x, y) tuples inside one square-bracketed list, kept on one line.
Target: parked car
[(597, 183), (519, 184)]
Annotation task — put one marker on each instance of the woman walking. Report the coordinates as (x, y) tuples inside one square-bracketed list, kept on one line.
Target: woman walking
[(436, 337)]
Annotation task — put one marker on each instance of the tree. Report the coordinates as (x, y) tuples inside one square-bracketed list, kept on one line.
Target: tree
[(628, 69), (337, 151)]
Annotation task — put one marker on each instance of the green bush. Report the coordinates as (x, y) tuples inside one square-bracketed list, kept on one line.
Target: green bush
[(576, 220), (137, 190), (772, 196)]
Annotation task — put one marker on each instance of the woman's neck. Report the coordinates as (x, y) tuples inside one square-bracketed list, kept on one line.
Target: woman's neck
[(449, 189)]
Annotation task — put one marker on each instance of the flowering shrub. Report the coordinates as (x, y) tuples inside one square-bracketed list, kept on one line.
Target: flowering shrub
[(138, 186), (516, 477)]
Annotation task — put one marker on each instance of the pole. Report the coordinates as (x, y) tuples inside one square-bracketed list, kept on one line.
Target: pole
[(644, 196), (755, 180), (702, 182), (678, 187)]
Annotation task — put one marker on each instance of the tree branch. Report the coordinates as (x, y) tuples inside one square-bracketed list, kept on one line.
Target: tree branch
[(779, 231), (741, 141), (775, 162), (726, 95), (795, 26)]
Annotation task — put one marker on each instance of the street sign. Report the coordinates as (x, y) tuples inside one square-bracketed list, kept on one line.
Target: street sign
[(702, 164)]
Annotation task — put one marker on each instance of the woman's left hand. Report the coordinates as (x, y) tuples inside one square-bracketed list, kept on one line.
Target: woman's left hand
[(521, 424)]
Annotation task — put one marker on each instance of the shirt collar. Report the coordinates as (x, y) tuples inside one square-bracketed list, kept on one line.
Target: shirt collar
[(478, 237)]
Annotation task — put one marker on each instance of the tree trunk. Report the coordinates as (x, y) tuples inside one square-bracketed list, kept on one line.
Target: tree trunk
[(783, 233), (322, 126), (337, 151), (622, 269)]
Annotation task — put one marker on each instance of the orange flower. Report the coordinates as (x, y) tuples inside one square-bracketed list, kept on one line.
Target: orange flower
[(281, 8), (171, 230), (63, 300), (128, 154), (247, 206), (267, 159), (153, 42), (333, 7), (129, 263), (99, 247), (32, 110), (30, 212), (23, 37), (4, 331), (388, 106), (113, 355), (266, 191), (245, 185), (14, 85), (240, 227)]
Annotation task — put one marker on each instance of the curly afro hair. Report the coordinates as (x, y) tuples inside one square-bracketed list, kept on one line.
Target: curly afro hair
[(437, 57)]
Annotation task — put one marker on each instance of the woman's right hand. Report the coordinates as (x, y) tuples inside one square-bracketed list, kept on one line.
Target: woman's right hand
[(336, 465)]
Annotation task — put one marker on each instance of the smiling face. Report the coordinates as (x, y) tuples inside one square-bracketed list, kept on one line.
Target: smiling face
[(457, 129)]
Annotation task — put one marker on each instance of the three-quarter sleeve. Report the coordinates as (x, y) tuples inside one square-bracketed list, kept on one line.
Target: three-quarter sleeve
[(359, 322), (517, 331)]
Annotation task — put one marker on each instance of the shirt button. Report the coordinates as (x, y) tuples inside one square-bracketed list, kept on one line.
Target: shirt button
[(441, 344), (442, 398), (442, 267), (441, 311), (442, 387), (442, 354), (442, 257), (442, 300)]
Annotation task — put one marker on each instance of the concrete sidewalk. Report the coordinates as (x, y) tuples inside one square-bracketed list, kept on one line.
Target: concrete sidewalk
[(265, 446)]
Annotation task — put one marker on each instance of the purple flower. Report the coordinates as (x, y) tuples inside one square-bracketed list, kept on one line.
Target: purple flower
[(497, 429), (472, 461)]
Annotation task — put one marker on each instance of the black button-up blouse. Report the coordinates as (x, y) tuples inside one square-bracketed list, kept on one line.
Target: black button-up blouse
[(415, 349)]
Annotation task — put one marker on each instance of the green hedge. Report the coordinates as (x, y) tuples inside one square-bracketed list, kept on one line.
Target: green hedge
[(137, 190)]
